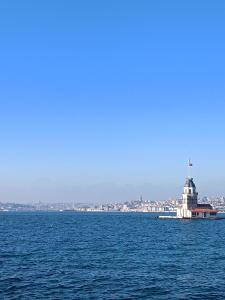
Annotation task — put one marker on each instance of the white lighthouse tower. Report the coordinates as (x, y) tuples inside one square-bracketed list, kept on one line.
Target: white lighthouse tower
[(190, 199), (190, 207)]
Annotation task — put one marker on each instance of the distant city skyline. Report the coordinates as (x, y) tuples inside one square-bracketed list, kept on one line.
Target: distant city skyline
[(106, 101)]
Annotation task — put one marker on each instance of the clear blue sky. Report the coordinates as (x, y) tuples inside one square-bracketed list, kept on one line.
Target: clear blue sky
[(105, 100)]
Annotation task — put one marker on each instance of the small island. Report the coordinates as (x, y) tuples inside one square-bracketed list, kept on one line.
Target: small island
[(190, 208)]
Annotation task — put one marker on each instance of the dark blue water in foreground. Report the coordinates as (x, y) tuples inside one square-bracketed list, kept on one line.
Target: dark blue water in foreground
[(110, 256)]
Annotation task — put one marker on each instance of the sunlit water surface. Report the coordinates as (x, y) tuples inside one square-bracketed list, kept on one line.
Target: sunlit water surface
[(110, 256)]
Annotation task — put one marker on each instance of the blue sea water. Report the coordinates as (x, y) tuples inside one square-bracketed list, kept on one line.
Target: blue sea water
[(110, 256)]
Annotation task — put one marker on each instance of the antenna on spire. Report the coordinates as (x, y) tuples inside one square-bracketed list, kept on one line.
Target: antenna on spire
[(190, 165)]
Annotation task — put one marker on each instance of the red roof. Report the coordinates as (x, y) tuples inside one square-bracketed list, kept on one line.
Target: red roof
[(202, 210)]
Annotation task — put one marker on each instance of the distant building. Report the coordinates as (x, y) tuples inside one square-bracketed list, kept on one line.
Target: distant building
[(190, 207)]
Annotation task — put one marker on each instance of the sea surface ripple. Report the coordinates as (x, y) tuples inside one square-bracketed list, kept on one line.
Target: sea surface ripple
[(110, 256)]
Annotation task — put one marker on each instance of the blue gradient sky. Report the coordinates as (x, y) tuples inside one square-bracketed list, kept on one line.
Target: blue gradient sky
[(106, 100)]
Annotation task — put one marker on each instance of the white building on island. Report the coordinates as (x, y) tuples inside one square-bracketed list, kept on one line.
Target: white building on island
[(190, 207)]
